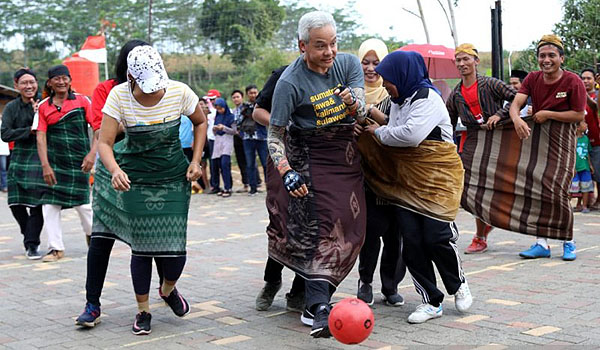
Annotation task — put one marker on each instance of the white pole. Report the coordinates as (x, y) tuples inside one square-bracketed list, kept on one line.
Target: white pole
[(106, 70)]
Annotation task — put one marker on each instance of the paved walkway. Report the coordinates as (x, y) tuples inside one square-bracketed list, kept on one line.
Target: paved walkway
[(517, 302)]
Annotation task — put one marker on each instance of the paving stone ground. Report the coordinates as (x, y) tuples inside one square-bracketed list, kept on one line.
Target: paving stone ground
[(518, 303)]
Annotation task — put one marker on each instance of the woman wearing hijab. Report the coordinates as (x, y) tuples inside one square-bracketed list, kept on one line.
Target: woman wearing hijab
[(381, 220), (224, 130), (142, 186), (427, 178)]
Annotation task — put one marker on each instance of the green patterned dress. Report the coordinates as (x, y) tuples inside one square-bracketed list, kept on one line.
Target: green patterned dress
[(152, 216)]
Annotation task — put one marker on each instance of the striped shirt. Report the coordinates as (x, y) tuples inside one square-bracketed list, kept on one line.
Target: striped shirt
[(178, 99), (492, 93)]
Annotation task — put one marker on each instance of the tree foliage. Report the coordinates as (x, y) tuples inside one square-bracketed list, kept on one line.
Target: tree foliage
[(223, 44), (240, 27), (580, 32)]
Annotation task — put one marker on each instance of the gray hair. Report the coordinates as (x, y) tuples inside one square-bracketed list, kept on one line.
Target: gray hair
[(312, 20)]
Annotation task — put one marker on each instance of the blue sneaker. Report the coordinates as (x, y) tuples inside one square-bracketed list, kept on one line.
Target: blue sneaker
[(90, 317), (569, 251), (535, 251)]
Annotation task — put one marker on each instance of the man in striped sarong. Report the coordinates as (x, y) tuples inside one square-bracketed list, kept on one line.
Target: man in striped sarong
[(559, 100), (479, 101)]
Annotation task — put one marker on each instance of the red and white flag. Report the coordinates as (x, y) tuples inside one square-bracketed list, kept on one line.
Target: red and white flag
[(94, 49)]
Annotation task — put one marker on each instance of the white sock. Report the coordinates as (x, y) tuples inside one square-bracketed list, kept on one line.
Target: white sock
[(543, 242)]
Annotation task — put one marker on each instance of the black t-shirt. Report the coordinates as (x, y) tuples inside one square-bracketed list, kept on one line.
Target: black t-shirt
[(265, 97)]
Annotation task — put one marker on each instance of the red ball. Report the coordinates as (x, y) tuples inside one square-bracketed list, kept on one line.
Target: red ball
[(351, 321)]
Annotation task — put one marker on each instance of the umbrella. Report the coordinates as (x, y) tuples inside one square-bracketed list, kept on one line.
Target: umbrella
[(438, 59)]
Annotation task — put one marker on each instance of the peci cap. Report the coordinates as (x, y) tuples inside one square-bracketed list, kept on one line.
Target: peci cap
[(147, 69)]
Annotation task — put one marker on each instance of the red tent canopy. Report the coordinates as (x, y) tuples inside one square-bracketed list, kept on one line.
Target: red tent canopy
[(438, 59), (84, 74)]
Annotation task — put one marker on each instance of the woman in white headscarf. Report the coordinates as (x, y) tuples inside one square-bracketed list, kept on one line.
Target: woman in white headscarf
[(381, 222)]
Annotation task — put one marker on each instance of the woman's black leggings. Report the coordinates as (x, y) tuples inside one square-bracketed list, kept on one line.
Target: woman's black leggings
[(97, 264), (141, 271)]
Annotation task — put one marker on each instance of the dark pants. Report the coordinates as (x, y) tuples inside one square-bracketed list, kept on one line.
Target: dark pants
[(317, 292), (240, 156), (252, 147), (225, 166), (97, 264), (30, 223), (215, 168), (273, 275), (427, 241), (141, 271), (382, 222)]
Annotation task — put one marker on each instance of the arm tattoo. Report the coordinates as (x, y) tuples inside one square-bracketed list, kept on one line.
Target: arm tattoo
[(276, 143), (361, 110)]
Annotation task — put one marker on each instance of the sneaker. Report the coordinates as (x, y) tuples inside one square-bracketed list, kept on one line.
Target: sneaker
[(535, 251), (266, 295), (33, 253), (53, 256), (365, 292), (393, 299), (141, 326), (226, 194), (177, 302), (213, 191), (463, 298), (252, 192), (424, 313), (478, 245), (585, 210), (295, 302), (320, 327), (569, 251), (90, 316), (307, 318)]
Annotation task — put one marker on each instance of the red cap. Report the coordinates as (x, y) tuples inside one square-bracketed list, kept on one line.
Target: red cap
[(213, 93)]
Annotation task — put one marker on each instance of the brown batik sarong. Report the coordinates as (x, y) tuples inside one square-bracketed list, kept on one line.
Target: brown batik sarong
[(326, 228), (427, 179), (522, 185)]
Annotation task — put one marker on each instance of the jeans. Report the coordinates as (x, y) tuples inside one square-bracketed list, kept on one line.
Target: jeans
[(225, 165), (251, 147), (3, 183), (215, 168)]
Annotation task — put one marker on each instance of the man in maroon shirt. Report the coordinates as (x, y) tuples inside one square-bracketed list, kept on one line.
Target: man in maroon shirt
[(591, 119), (557, 95)]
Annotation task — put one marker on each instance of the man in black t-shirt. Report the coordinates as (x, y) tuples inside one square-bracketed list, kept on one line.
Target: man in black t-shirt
[(277, 198)]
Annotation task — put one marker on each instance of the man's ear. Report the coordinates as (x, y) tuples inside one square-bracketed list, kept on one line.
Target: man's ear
[(302, 46)]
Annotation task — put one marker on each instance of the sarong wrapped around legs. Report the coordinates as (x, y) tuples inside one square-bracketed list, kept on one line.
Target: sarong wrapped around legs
[(427, 179), (68, 144), (152, 216), (522, 185), (26, 184), (326, 228)]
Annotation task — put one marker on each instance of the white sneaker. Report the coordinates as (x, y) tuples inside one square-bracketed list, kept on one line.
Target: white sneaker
[(463, 298), (425, 312)]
